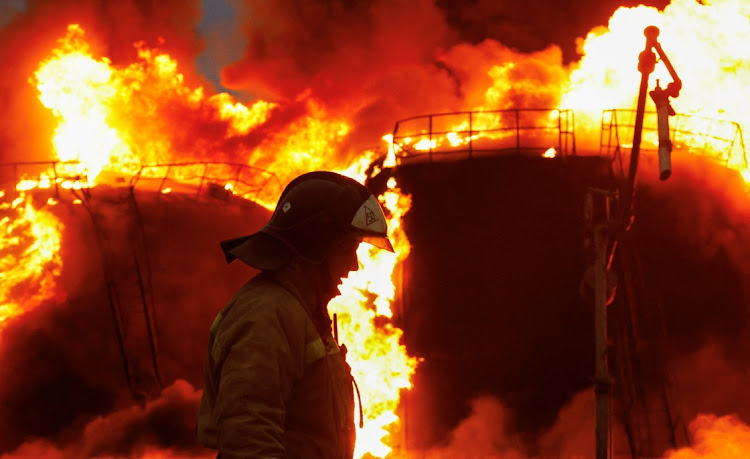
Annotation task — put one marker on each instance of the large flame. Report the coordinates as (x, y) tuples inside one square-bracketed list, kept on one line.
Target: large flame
[(381, 365), (117, 119), (708, 43), (29, 257), (113, 120), (110, 123)]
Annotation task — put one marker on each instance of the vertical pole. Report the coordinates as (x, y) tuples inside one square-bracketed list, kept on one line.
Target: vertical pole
[(646, 65), (430, 139), (518, 134), (559, 133), (601, 376), (57, 188), (203, 178), (471, 136)]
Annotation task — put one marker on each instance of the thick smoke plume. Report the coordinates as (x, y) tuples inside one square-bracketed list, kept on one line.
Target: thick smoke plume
[(381, 61), (136, 431)]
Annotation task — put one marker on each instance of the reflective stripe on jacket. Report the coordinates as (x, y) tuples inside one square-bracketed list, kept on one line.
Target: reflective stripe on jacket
[(274, 387)]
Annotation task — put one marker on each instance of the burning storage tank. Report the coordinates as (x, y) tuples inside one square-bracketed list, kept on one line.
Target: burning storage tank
[(108, 292)]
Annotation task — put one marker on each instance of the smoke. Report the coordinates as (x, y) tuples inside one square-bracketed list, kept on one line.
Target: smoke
[(711, 380), (336, 48), (62, 362), (163, 428), (714, 436), (484, 433), (489, 432), (532, 25), (693, 237)]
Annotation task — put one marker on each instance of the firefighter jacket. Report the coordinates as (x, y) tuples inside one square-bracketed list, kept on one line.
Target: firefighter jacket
[(275, 387)]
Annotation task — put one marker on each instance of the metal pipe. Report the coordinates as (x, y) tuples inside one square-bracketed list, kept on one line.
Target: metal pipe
[(430, 138), (602, 382), (518, 133), (646, 65), (471, 136)]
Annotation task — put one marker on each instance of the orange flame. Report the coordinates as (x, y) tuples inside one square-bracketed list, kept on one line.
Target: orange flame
[(29, 257), (707, 44), (118, 119), (111, 124), (113, 120), (380, 363)]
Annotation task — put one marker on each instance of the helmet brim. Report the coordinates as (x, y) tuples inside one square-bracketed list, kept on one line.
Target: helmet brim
[(259, 250), (380, 242)]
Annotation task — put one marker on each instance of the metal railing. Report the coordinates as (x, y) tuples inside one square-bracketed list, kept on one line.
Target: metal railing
[(719, 140), (195, 177), (239, 179), (473, 133), (43, 174)]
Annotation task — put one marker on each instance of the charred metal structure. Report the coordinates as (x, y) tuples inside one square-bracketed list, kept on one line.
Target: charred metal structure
[(494, 294), (498, 291)]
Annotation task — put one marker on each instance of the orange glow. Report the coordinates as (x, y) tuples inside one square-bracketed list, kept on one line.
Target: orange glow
[(30, 257), (379, 362), (111, 124), (114, 119), (109, 117), (713, 436), (708, 44)]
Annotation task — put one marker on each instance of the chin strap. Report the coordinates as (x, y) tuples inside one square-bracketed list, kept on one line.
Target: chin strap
[(343, 351), (359, 401)]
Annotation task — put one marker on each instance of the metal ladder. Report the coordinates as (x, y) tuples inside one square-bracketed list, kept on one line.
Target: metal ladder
[(121, 240)]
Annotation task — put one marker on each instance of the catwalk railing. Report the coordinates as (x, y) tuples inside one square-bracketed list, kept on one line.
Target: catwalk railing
[(196, 178), (720, 141), (215, 178), (467, 134)]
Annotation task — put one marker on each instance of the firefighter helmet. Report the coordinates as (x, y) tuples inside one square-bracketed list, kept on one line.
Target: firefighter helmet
[(315, 211)]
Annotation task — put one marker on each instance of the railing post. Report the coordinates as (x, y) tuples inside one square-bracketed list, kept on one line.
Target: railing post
[(164, 179), (237, 177), (134, 179), (559, 132), (471, 135), (54, 170), (518, 133), (203, 177), (707, 134), (393, 140), (430, 139)]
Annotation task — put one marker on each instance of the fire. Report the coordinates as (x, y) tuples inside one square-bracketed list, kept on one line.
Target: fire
[(78, 91), (707, 42), (114, 122), (29, 257), (380, 364)]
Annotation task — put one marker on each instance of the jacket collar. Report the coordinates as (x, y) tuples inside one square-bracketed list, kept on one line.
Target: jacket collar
[(306, 282)]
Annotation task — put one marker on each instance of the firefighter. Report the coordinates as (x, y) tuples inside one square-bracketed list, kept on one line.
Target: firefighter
[(276, 382)]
